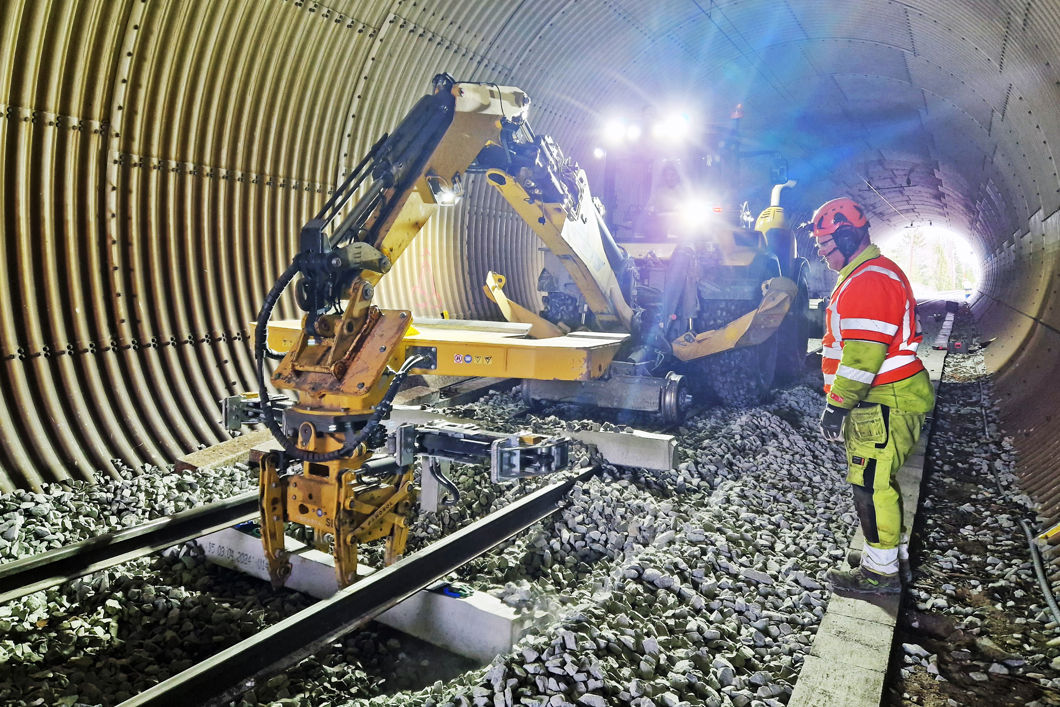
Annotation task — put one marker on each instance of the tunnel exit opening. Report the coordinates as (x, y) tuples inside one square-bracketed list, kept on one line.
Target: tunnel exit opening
[(940, 263)]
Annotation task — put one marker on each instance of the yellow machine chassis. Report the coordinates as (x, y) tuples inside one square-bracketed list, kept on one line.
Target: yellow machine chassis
[(491, 349)]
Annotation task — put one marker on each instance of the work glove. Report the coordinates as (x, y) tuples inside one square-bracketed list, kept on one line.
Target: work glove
[(832, 422)]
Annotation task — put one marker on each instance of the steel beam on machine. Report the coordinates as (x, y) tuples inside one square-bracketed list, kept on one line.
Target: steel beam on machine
[(629, 447), (490, 349)]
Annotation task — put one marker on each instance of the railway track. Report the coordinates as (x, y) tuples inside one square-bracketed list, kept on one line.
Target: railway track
[(49, 569), (715, 557), (242, 665), (238, 667)]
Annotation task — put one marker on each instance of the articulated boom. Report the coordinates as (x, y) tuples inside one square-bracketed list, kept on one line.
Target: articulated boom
[(346, 358)]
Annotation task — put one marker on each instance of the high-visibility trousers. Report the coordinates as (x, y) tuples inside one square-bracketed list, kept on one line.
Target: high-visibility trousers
[(878, 440)]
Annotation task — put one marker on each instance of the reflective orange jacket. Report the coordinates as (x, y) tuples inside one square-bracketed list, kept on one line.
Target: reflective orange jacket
[(872, 302)]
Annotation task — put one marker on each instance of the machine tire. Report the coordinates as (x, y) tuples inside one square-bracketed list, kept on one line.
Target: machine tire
[(793, 335)]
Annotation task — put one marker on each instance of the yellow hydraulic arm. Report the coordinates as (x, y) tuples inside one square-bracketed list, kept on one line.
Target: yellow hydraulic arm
[(341, 360), (572, 232), (346, 358)]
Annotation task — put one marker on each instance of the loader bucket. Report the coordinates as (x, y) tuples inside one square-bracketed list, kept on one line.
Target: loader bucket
[(750, 329)]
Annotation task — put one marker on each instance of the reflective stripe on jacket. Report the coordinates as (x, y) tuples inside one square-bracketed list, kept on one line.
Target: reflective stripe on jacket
[(871, 302)]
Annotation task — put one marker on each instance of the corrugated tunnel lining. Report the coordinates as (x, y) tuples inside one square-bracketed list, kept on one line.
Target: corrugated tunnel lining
[(160, 159)]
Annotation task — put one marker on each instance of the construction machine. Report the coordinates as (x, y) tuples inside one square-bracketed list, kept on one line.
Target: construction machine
[(600, 338), (672, 194)]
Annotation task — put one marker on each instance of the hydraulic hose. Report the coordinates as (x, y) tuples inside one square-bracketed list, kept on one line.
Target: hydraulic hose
[(352, 441), (1039, 571), (260, 349), (1036, 556), (454, 491)]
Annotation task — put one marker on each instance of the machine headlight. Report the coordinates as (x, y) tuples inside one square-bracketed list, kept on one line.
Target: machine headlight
[(445, 193), (615, 131), (673, 129), (695, 212)]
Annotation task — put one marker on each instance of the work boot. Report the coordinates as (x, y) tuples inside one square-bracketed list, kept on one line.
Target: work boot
[(905, 570), (860, 581)]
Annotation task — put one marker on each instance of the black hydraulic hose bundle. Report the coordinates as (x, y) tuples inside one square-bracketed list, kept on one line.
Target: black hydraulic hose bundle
[(446, 482), (260, 348), (348, 188), (1039, 572)]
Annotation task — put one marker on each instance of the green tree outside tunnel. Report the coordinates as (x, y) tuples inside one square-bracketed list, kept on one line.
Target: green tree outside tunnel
[(934, 260)]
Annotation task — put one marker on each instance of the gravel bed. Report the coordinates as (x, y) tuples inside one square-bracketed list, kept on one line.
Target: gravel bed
[(700, 585), (74, 511), (974, 627), (104, 637), (697, 585), (706, 578)]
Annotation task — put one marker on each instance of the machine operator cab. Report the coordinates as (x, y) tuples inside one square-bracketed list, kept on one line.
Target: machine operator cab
[(670, 182)]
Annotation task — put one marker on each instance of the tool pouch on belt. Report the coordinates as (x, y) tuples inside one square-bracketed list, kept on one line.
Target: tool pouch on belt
[(866, 446)]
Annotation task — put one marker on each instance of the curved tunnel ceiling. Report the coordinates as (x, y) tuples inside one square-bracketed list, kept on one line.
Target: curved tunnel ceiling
[(160, 157)]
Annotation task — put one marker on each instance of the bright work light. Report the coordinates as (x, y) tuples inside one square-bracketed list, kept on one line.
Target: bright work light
[(615, 131), (674, 128)]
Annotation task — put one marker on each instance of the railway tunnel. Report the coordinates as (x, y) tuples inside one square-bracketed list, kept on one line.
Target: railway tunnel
[(160, 158), (159, 163)]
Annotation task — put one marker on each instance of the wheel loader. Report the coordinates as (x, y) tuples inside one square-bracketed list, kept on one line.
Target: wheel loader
[(671, 198)]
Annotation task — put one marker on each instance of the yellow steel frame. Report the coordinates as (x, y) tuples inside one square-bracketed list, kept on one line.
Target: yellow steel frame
[(476, 123), (540, 328), (466, 350), (575, 240), (342, 369)]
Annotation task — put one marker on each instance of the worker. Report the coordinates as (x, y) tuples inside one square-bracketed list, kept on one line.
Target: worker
[(877, 392)]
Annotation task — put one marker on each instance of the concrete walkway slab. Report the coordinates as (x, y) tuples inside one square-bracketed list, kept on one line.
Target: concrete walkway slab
[(852, 641), (837, 685)]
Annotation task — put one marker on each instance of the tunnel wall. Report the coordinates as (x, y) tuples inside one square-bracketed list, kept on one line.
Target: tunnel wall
[(1019, 319), (159, 159)]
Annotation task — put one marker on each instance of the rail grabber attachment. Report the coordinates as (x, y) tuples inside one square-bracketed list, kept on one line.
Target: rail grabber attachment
[(343, 506)]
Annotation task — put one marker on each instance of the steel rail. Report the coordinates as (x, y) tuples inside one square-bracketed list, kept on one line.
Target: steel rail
[(32, 574), (236, 668)]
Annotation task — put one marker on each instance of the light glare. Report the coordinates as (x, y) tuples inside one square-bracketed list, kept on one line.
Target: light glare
[(673, 129), (615, 131), (938, 262), (694, 211)]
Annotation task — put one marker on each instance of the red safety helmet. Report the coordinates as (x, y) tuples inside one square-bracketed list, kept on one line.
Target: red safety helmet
[(843, 211)]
